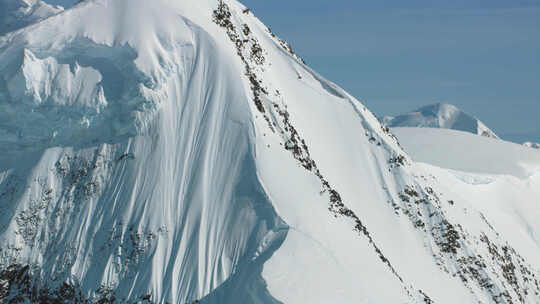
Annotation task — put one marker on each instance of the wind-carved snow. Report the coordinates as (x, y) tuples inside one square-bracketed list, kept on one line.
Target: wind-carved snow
[(172, 233), (81, 94), (443, 116), (182, 153)]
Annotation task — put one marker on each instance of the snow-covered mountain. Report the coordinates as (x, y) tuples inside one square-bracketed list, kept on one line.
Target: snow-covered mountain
[(532, 145), (501, 179), (440, 115), (179, 152), (15, 14)]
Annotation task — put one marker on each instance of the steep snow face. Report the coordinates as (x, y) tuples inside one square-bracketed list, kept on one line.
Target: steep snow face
[(440, 115), (127, 163), (178, 152)]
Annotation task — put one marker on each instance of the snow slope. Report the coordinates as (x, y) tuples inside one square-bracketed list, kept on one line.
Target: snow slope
[(501, 179), (179, 152), (465, 152), (440, 115)]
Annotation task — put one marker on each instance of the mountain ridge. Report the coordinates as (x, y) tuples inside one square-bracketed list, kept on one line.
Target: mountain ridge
[(180, 152)]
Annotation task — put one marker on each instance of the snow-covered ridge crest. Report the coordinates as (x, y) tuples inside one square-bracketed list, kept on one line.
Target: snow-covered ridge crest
[(218, 168), (97, 80), (441, 115)]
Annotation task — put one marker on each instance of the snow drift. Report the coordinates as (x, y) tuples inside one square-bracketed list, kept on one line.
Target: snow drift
[(179, 152)]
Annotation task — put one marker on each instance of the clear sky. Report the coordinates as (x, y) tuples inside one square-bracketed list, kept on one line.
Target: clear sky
[(395, 55)]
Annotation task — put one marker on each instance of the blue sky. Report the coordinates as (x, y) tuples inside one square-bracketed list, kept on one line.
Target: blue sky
[(395, 56)]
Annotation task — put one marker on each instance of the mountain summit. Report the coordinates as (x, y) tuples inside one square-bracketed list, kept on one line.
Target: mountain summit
[(177, 151), (440, 115)]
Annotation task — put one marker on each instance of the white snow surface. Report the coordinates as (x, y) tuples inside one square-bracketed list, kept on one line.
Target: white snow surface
[(440, 115), (465, 152), (156, 151), (502, 179)]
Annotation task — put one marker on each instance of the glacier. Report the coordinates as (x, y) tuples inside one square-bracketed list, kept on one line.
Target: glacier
[(180, 152)]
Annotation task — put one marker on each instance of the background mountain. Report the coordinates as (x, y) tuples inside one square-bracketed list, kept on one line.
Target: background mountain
[(440, 115), (179, 152), (15, 14), (532, 145)]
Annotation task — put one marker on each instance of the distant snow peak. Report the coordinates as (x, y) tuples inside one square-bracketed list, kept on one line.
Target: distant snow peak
[(441, 115), (16, 14), (532, 145)]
